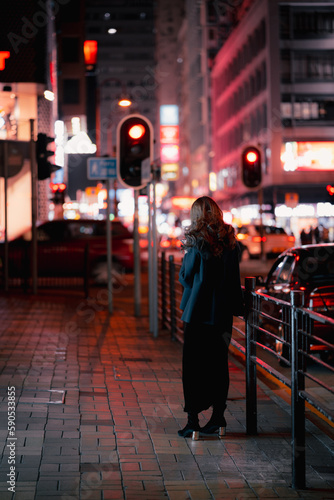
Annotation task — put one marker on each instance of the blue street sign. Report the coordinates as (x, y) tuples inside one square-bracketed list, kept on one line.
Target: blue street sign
[(101, 168)]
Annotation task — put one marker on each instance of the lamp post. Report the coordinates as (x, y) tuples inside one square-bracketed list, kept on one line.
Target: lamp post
[(121, 103)]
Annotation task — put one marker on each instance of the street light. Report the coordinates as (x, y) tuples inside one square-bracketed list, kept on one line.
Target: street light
[(122, 103), (124, 99)]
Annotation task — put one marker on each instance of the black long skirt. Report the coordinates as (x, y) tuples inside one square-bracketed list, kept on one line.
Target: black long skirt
[(205, 373)]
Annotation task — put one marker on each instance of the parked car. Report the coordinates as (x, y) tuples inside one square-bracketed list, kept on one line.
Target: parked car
[(275, 240), (309, 268), (63, 246)]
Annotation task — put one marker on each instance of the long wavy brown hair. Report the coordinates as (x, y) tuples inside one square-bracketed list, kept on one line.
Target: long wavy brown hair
[(207, 229)]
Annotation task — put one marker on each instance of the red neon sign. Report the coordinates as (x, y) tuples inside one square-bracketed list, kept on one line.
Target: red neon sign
[(4, 54), (170, 153), (169, 134)]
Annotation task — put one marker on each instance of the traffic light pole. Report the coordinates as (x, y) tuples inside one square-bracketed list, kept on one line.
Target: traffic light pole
[(153, 259), (6, 263), (155, 265), (136, 254), (150, 255), (33, 206), (109, 250), (260, 200)]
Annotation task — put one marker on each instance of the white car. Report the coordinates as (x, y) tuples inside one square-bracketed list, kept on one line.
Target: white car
[(275, 240)]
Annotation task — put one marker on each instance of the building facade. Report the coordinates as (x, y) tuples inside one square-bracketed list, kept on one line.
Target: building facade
[(273, 88), (27, 70), (125, 36), (206, 26)]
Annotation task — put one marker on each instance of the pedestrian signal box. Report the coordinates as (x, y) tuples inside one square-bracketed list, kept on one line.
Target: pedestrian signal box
[(58, 193), (44, 167)]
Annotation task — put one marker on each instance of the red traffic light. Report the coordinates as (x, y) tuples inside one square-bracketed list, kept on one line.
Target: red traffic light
[(330, 189), (134, 148), (58, 189), (57, 186), (252, 156), (137, 131), (251, 167)]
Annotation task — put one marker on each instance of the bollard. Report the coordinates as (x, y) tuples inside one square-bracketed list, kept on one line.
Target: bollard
[(251, 406), (297, 402)]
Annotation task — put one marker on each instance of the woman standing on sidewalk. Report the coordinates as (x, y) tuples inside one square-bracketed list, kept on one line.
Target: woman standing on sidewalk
[(212, 295)]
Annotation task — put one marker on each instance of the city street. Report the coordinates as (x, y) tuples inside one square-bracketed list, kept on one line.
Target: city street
[(99, 402), (131, 128)]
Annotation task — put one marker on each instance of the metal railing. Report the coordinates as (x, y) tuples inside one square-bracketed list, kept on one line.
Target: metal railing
[(286, 331), (169, 296)]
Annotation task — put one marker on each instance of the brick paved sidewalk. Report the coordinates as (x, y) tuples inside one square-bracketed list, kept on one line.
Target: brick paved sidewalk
[(99, 403)]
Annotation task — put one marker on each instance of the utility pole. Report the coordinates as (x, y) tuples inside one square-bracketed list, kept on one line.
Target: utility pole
[(33, 206)]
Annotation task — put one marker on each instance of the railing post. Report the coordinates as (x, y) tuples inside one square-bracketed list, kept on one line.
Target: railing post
[(163, 290), (172, 296), (297, 403), (251, 406)]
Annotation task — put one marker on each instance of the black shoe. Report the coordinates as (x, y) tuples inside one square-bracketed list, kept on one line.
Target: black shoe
[(188, 430), (192, 428), (215, 425)]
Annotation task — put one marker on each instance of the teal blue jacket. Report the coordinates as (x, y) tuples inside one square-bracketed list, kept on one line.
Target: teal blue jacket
[(212, 291)]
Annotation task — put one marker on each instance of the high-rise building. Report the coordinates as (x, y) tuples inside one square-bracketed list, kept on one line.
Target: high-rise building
[(168, 19), (27, 70), (273, 88), (206, 26), (125, 36)]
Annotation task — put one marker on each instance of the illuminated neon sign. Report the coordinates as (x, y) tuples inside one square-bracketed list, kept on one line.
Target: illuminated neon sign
[(307, 156), (169, 139), (169, 134), (4, 54)]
